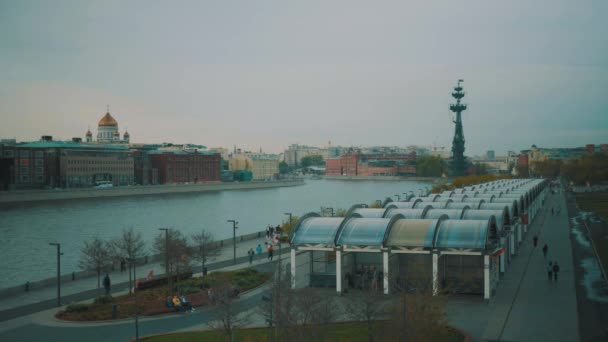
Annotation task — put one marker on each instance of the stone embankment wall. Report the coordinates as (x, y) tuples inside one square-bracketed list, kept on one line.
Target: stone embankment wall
[(74, 276), (20, 196), (381, 178)]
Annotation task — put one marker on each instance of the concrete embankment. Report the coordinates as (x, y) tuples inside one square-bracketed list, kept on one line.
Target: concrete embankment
[(21, 196), (382, 178)]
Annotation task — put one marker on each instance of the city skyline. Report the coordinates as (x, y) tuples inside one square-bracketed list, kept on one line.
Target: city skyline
[(272, 74)]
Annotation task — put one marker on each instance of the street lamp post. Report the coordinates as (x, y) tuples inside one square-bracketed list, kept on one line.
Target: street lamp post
[(234, 227), (133, 263), (169, 280), (58, 245)]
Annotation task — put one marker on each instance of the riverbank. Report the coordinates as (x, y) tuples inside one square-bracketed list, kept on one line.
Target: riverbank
[(383, 178), (22, 196)]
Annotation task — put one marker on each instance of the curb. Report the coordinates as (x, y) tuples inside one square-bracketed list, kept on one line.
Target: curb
[(466, 337), (597, 256)]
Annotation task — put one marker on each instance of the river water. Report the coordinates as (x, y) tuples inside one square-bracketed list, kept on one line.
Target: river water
[(26, 230)]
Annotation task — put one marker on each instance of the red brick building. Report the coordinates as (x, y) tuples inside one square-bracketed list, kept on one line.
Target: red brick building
[(185, 167), (354, 163)]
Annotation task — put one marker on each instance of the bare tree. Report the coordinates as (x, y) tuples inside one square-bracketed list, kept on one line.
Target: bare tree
[(278, 307), (312, 312), (178, 255), (419, 314), (227, 319), (367, 306), (130, 245), (205, 247), (95, 256)]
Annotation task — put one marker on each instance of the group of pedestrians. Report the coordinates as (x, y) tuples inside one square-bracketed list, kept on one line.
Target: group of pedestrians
[(271, 231)]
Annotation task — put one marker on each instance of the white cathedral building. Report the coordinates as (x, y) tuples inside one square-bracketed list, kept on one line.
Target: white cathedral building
[(107, 131)]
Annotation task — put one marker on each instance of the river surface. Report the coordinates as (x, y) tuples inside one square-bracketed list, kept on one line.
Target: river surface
[(26, 230)]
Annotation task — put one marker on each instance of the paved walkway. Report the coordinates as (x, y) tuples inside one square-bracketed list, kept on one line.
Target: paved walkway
[(120, 279), (526, 306)]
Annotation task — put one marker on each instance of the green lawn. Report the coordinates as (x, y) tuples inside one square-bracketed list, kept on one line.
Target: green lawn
[(351, 332), (598, 203)]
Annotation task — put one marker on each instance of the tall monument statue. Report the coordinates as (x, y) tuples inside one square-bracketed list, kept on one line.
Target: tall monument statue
[(458, 165)]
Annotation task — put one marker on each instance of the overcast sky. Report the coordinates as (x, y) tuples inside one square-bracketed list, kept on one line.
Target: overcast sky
[(272, 73)]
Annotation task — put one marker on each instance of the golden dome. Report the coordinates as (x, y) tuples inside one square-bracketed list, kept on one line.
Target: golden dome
[(116, 134), (89, 134), (108, 120), (126, 134)]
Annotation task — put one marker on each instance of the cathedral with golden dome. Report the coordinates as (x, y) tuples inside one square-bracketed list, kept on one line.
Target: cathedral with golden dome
[(107, 131)]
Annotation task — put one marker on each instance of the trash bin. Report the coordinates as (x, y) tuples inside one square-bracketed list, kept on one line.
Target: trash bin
[(114, 310)]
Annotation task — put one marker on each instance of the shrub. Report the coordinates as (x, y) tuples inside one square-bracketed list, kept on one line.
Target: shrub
[(106, 299), (77, 308)]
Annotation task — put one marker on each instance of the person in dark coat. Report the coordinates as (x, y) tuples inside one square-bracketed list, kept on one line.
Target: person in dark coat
[(251, 253), (549, 270), (545, 250), (555, 270), (535, 240), (107, 284)]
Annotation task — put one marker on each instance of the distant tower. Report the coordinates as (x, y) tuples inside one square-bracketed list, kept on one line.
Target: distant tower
[(126, 137), (89, 136), (458, 162)]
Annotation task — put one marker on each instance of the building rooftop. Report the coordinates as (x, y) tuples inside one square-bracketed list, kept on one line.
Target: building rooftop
[(73, 145)]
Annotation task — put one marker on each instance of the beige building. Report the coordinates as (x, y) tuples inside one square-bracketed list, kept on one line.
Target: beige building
[(264, 168), (239, 162), (261, 167)]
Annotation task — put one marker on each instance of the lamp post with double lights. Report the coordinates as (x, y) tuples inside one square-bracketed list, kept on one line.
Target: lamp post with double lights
[(234, 228), (58, 245)]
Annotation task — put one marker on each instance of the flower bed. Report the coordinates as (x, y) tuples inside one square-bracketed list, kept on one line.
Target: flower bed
[(152, 301)]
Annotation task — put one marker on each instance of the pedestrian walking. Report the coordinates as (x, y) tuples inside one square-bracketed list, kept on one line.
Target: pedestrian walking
[(555, 270), (545, 250), (107, 284), (535, 240), (123, 265), (251, 253), (271, 231), (270, 251), (549, 270), (258, 251), (268, 232)]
